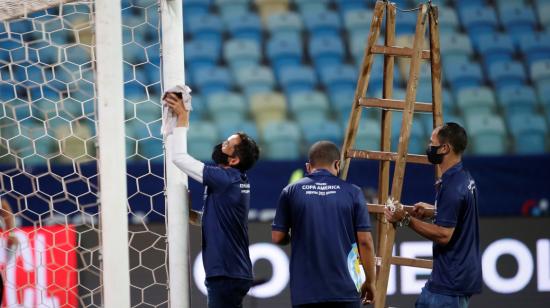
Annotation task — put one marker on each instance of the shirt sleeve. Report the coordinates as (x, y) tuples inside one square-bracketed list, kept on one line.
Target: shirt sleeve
[(448, 207), (281, 222), (185, 162), (216, 178), (361, 212)]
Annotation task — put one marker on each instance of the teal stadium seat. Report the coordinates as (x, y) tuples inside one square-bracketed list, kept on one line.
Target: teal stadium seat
[(202, 138), (287, 25), (487, 134), (282, 140), (530, 133), (476, 100), (241, 53), (227, 107), (256, 79), (309, 108), (517, 99)]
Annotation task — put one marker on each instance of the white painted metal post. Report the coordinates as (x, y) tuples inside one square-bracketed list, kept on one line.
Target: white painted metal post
[(177, 212), (112, 156)]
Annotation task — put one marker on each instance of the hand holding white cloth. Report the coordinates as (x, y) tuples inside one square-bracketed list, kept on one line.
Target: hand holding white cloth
[(168, 118)]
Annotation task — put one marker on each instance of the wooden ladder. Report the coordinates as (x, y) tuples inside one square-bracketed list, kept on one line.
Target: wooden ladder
[(386, 231)]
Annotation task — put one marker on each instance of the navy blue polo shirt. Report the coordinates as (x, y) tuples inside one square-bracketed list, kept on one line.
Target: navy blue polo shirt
[(457, 265), (323, 214), (225, 223)]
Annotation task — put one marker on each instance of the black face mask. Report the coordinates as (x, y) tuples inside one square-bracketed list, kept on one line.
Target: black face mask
[(219, 157), (434, 157)]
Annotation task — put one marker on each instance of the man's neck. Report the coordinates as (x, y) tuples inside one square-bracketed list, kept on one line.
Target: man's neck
[(449, 163)]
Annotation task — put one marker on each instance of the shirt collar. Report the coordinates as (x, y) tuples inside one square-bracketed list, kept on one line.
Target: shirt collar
[(320, 172), (454, 169)]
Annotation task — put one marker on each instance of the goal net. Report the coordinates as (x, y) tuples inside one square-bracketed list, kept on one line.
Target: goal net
[(49, 153)]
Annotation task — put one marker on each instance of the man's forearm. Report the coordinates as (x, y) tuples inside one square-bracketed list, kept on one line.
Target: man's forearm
[(7, 215), (366, 255), (432, 232)]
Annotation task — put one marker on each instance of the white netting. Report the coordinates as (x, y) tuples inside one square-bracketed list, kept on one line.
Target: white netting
[(48, 158)]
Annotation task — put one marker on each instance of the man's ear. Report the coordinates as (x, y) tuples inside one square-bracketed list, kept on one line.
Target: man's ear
[(308, 167), (233, 161)]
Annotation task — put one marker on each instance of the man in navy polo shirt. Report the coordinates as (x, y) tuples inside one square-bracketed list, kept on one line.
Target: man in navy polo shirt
[(225, 212), (456, 273), (327, 222)]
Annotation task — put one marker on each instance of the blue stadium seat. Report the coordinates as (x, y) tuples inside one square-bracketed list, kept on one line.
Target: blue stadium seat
[(543, 12), (535, 46), (472, 3), (206, 28), (284, 52), (448, 20), (368, 135), (227, 107), (228, 9), (530, 133), (346, 6), (196, 7), (285, 24), (248, 127), (309, 6), (476, 100), (479, 21), (496, 47), (246, 26), (518, 20), (326, 51), (341, 102), (504, 74), (487, 134), (517, 99), (309, 108), (339, 78), (417, 140), (201, 54), (256, 79), (540, 73), (199, 108), (405, 24), (455, 48), (357, 22), (322, 23), (328, 130), (282, 140), (463, 75), (212, 80), (241, 53), (424, 94), (543, 94), (297, 79), (201, 139)]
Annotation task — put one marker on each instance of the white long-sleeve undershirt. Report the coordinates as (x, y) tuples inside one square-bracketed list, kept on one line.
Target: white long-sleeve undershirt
[(185, 162)]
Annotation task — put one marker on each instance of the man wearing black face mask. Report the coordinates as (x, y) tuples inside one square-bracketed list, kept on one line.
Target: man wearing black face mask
[(224, 218), (456, 273)]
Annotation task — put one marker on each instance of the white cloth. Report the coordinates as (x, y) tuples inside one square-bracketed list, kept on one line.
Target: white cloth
[(185, 162), (169, 120)]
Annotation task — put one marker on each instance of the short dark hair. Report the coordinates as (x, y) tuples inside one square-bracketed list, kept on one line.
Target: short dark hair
[(248, 152), (455, 135), (323, 153)]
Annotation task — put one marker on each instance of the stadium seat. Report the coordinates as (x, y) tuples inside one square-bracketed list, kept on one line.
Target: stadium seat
[(540, 73), (535, 46), (341, 103), (357, 22), (326, 51), (268, 107), (310, 6), (543, 12), (201, 54), (530, 133), (476, 100), (456, 48), (346, 6), (479, 21), (463, 75), (297, 79), (285, 24), (256, 79), (517, 99), (201, 139), (206, 28), (282, 140), (284, 52), (242, 53), (248, 127), (543, 94), (327, 130), (424, 94), (212, 80), (417, 140), (196, 7), (339, 78), (405, 24), (487, 134), (504, 74), (228, 9), (309, 108), (246, 26), (518, 20), (324, 23), (227, 107), (448, 20), (495, 47), (267, 8), (368, 135), (199, 108)]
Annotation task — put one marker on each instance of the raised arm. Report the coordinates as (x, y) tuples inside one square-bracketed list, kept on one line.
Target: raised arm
[(9, 221)]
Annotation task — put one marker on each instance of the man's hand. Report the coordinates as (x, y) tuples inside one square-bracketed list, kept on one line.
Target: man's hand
[(396, 216), (175, 104), (12, 241), (367, 293), (422, 210)]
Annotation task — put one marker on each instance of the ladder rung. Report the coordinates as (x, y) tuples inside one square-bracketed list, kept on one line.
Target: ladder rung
[(393, 104), (423, 263), (379, 209), (391, 156), (398, 51)]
